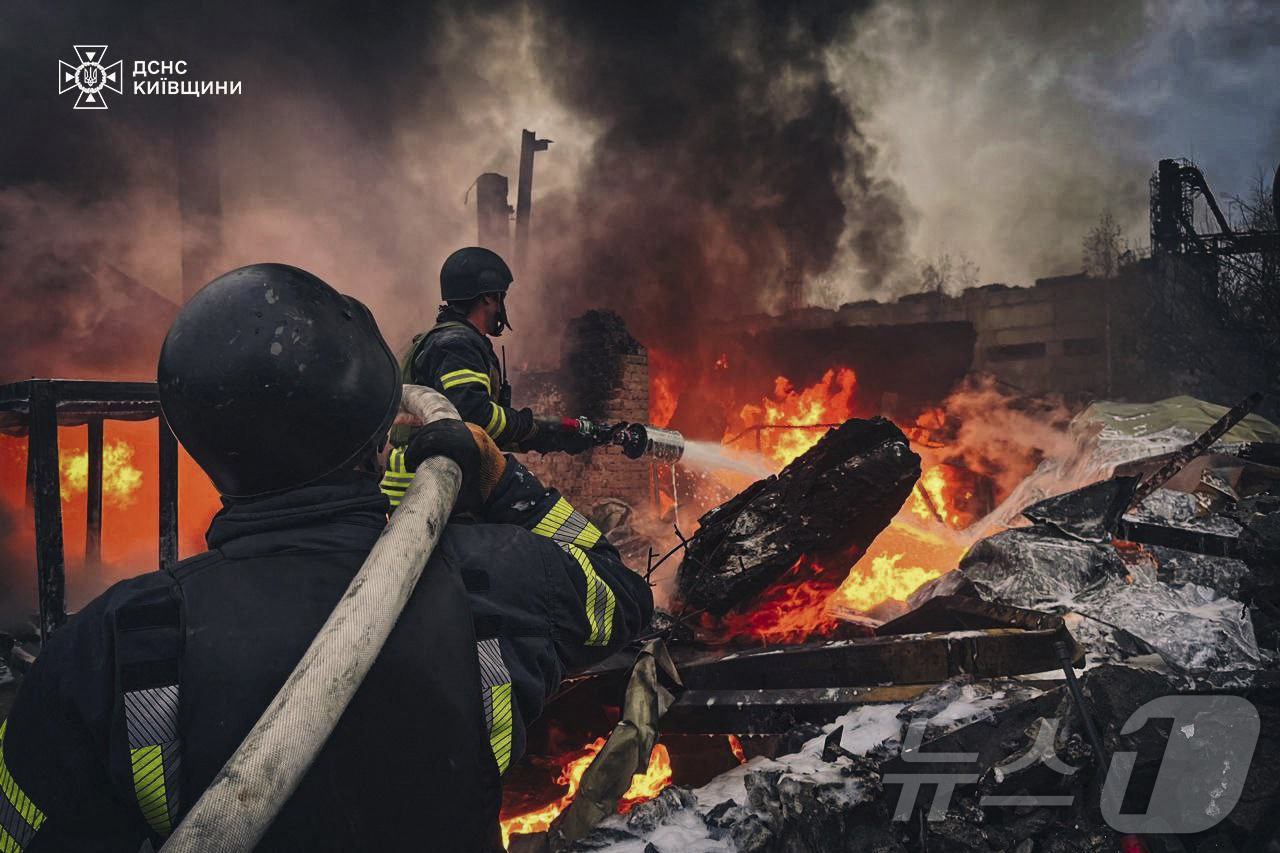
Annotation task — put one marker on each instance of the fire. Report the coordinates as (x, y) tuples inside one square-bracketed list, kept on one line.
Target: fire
[(930, 499), (886, 580), (120, 479), (735, 746), (791, 613), (664, 388), (918, 546), (791, 412), (130, 518), (644, 786)]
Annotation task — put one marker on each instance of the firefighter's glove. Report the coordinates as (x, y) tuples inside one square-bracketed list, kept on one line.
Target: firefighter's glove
[(469, 446), (574, 442)]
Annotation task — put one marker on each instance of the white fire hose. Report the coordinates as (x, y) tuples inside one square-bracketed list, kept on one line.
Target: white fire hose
[(238, 807)]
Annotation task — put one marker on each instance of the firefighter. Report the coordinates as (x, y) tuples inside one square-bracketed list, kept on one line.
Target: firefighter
[(456, 357), (283, 391)]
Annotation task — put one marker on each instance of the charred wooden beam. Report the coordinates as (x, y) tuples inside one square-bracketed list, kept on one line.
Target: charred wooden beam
[(757, 712), (42, 449), (93, 496), (830, 503), (907, 659), (168, 495)]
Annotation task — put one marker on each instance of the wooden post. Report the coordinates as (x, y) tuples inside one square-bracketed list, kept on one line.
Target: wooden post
[(529, 145), (168, 495), (493, 213), (42, 450), (93, 497)]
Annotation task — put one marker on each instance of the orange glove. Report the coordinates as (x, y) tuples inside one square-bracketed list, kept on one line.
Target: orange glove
[(492, 462)]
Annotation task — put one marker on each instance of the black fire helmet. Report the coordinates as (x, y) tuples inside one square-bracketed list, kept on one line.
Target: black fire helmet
[(271, 380), (475, 271)]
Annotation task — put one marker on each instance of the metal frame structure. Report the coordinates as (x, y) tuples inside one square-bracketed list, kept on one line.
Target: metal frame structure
[(36, 408), (1174, 187)]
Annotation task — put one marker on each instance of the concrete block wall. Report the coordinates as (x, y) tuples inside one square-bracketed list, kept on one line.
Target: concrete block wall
[(1071, 334)]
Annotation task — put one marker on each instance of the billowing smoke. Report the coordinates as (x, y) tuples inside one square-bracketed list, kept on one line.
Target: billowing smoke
[(348, 153), (725, 163), (710, 160)]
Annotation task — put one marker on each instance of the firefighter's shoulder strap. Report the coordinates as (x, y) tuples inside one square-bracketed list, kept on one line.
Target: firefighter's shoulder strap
[(400, 432), (149, 633), (420, 340)]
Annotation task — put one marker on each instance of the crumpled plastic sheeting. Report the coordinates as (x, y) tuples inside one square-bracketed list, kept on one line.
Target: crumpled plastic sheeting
[(1226, 576), (1027, 568), (1180, 509), (1192, 628)]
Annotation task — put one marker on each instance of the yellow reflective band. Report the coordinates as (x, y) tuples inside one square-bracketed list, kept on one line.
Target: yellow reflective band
[(500, 731), (497, 422), (20, 802), (148, 785), (565, 524), (8, 844), (396, 480), (600, 600), (464, 377)]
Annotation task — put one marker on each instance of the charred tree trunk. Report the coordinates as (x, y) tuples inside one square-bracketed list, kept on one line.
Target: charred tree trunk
[(826, 505)]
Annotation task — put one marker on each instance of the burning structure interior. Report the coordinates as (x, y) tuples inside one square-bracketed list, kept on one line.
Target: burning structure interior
[(862, 559)]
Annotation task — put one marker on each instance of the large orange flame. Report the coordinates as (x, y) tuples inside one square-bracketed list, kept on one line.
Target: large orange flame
[(644, 786), (130, 517), (789, 423), (120, 479), (914, 549)]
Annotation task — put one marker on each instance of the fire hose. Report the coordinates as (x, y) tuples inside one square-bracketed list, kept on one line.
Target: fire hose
[(238, 807)]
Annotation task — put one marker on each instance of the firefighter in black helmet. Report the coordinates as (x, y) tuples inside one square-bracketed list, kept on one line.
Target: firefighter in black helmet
[(283, 390), (456, 358)]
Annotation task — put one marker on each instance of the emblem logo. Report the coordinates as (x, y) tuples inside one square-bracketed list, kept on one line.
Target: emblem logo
[(91, 76)]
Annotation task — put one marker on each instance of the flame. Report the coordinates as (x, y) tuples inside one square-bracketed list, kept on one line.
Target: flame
[(933, 498), (644, 786), (664, 388), (830, 401), (918, 546), (735, 746), (120, 479), (130, 518), (790, 612), (886, 580)]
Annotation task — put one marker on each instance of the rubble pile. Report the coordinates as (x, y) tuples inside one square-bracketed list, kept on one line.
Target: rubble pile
[(1169, 592), (840, 791)]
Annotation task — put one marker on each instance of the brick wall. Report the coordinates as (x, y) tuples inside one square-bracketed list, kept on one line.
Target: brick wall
[(604, 473)]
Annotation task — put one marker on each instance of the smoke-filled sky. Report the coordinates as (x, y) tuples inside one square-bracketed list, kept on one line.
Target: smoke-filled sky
[(703, 152)]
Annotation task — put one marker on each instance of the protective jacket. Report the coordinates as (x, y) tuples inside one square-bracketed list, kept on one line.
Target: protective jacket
[(456, 359), (133, 707)]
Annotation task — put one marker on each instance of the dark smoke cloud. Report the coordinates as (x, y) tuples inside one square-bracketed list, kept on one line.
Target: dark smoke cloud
[(702, 150), (348, 154), (723, 157)]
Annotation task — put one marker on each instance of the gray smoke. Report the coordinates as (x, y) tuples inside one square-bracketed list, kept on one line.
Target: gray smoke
[(704, 155), (1010, 126)]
